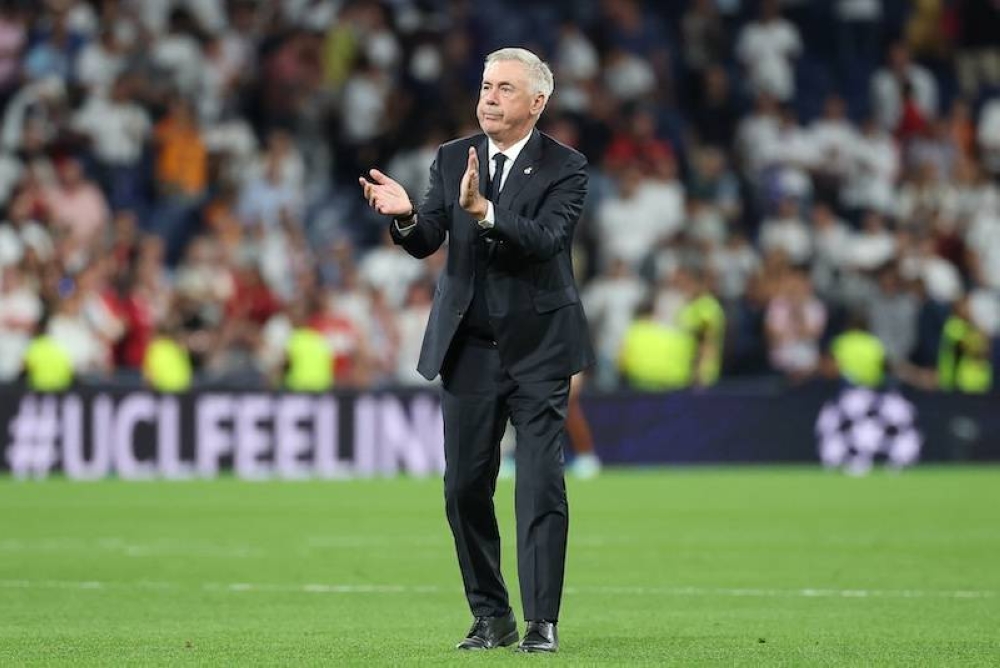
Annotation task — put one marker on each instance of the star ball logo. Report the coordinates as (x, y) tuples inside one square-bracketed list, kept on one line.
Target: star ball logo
[(862, 427)]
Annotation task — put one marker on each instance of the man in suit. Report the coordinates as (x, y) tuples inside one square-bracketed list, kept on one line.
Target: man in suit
[(506, 333)]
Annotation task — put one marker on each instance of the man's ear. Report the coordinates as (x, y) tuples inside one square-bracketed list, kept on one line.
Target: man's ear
[(538, 104)]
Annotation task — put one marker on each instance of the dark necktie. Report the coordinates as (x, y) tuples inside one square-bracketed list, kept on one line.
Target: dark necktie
[(477, 321), (493, 194)]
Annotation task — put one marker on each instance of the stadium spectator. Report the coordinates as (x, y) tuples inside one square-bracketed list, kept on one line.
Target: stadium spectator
[(767, 48), (20, 313), (656, 357), (611, 300), (795, 321), (166, 365), (858, 355), (901, 79), (702, 317), (964, 361)]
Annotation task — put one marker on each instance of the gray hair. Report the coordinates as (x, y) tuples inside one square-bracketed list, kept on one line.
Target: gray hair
[(539, 74)]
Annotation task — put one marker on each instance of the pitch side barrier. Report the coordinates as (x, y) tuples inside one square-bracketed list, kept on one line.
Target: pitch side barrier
[(95, 433)]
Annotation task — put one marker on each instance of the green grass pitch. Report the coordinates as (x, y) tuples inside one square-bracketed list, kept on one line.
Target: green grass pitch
[(685, 567)]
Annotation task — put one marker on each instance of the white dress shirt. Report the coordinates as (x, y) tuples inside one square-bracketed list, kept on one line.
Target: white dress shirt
[(511, 153)]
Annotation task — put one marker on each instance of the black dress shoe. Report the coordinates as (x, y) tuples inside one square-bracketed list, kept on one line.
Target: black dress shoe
[(539, 637), (491, 632)]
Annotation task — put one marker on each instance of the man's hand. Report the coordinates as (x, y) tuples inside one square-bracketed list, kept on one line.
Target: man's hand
[(385, 195), (469, 197)]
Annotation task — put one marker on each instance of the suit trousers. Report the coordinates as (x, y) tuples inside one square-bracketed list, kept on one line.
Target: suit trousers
[(478, 396)]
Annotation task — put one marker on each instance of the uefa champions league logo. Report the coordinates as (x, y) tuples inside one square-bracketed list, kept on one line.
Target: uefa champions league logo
[(862, 427)]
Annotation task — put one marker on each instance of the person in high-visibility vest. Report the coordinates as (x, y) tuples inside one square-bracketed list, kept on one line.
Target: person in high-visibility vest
[(964, 357), (166, 364), (308, 358), (859, 355), (656, 357), (703, 318), (47, 365)]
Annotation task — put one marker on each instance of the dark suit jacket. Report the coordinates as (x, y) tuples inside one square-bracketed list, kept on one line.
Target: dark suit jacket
[(534, 306)]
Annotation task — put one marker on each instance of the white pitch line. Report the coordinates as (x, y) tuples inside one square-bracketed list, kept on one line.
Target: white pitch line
[(327, 588)]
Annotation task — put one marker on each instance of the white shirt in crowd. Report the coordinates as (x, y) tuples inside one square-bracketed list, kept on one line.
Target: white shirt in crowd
[(180, 55), (410, 324), (766, 49), (20, 310), (789, 235), (629, 229), (875, 165), (86, 351), (733, 265), (887, 94), (988, 135), (983, 237), (755, 134), (870, 250), (15, 240), (610, 303), (858, 10), (833, 143), (364, 100), (391, 270), (118, 129), (97, 68)]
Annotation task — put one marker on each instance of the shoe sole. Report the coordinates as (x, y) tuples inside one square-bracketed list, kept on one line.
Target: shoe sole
[(508, 640), (536, 650)]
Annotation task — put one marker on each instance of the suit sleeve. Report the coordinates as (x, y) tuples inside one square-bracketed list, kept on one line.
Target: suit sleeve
[(431, 226), (548, 233)]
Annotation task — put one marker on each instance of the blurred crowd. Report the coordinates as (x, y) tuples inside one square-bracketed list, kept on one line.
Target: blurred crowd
[(765, 175)]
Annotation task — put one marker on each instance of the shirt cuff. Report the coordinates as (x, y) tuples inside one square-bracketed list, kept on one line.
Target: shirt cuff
[(488, 221), (404, 230)]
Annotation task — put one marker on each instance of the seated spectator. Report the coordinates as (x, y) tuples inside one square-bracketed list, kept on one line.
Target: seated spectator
[(118, 128), (794, 322), (858, 356), (78, 207), (656, 357), (988, 136), (890, 84), (610, 301), (788, 233), (166, 365), (892, 314), (642, 215), (411, 321), (703, 318), (767, 48), (964, 363), (20, 313), (68, 328)]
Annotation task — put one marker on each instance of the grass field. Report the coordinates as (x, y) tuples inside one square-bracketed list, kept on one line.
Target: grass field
[(681, 567)]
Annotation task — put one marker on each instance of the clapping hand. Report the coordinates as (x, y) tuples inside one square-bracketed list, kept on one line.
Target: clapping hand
[(385, 195), (469, 197)]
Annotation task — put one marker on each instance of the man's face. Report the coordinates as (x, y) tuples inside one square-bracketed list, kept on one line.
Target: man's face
[(508, 107)]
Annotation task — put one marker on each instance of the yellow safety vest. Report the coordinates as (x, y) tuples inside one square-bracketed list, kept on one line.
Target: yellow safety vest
[(704, 319), (963, 361), (167, 365), (860, 357), (310, 362), (48, 365), (656, 357)]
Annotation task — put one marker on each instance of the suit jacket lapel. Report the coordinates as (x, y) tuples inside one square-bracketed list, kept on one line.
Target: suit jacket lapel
[(522, 170)]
